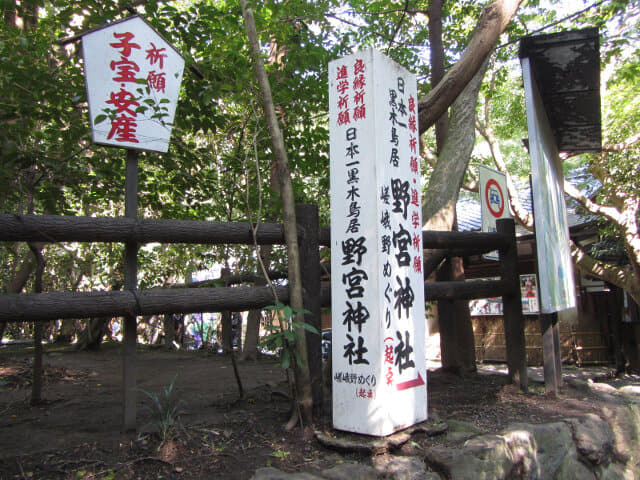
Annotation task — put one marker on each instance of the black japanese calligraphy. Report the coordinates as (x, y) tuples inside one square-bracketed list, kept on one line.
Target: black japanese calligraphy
[(403, 352)]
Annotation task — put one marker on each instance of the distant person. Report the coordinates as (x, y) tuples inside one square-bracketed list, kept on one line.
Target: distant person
[(178, 328)]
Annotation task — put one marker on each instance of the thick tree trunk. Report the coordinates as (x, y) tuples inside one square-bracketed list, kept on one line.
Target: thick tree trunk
[(303, 382), (67, 330), (91, 337), (438, 211), (442, 192), (437, 64), (494, 19), (456, 332)]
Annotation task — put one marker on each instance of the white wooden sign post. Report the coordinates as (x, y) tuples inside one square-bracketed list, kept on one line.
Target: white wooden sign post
[(378, 319), (133, 81), (494, 201)]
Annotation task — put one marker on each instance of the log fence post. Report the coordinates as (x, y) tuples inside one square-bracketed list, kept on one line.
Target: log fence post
[(512, 307)]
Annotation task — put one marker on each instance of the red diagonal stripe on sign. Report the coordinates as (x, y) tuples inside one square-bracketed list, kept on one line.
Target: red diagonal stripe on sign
[(416, 382)]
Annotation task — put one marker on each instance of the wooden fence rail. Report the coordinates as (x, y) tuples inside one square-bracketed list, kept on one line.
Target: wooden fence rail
[(39, 307), (132, 302), (51, 228)]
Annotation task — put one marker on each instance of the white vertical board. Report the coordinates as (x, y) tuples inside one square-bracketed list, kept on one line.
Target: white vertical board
[(377, 285), (555, 268), (133, 81), (494, 201)]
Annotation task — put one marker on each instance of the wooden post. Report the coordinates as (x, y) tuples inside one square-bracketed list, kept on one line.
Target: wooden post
[(614, 304), (449, 355), (130, 327), (550, 365), (512, 308), (308, 241), (38, 327), (551, 361), (225, 320), (557, 357)]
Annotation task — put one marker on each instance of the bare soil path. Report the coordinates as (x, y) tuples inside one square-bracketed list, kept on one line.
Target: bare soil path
[(75, 433)]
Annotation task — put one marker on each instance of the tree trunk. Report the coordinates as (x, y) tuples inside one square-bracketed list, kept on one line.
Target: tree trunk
[(67, 329), (437, 64), (303, 382), (169, 330), (36, 386), (494, 19), (252, 338), (438, 211), (17, 283), (91, 337)]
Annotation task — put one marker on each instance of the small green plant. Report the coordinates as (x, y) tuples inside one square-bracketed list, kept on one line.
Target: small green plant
[(283, 336), (165, 409), (281, 454)]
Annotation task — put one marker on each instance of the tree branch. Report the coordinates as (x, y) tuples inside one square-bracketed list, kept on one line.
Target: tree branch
[(608, 273), (622, 146), (493, 20), (610, 213)]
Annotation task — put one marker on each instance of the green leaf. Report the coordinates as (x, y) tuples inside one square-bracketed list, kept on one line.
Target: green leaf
[(99, 118), (285, 359), (306, 326)]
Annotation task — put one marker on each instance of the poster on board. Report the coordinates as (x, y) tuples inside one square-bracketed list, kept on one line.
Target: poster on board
[(555, 267), (493, 305)]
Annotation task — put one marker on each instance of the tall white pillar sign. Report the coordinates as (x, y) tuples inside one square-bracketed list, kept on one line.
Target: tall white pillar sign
[(377, 285)]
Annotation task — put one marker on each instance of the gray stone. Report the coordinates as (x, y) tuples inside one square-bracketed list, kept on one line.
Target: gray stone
[(603, 388), (578, 384), (460, 431), (403, 468), (270, 473), (625, 424), (573, 469), (614, 471), (523, 451), (483, 458), (631, 393), (593, 438), (543, 447), (351, 471)]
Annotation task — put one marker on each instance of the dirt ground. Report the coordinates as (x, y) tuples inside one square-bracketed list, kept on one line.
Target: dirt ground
[(75, 432)]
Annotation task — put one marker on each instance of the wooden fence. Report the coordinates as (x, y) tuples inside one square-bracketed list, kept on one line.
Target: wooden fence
[(133, 302)]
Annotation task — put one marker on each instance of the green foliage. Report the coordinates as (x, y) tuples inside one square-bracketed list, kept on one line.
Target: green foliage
[(48, 164), (165, 409), (283, 337), (280, 454)]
